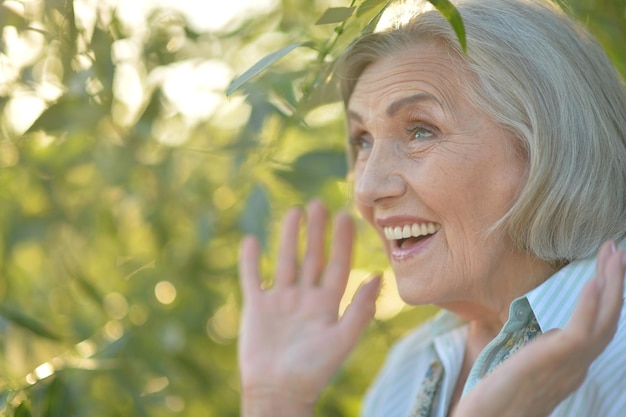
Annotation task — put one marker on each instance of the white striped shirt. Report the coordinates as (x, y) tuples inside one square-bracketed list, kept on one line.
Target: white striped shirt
[(603, 393)]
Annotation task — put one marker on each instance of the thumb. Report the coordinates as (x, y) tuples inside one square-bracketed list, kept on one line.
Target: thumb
[(359, 312)]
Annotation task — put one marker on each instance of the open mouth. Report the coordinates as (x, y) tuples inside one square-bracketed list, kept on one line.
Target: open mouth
[(409, 242), (407, 236)]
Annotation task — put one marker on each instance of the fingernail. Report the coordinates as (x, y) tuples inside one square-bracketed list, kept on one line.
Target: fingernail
[(376, 278), (613, 247)]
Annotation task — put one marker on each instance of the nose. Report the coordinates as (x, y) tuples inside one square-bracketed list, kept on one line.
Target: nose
[(378, 178)]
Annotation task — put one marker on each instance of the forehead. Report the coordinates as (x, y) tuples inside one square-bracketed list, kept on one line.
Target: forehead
[(424, 68)]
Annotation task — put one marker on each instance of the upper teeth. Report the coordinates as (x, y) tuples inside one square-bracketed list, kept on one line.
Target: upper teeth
[(410, 230)]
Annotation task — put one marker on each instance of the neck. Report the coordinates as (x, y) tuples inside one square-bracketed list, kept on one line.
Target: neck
[(488, 310)]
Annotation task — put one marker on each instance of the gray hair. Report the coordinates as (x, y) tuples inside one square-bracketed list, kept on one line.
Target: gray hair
[(544, 78)]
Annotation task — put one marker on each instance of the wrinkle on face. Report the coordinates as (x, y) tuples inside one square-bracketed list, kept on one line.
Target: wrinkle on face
[(464, 176)]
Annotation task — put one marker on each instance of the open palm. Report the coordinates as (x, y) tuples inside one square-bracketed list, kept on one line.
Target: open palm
[(292, 338)]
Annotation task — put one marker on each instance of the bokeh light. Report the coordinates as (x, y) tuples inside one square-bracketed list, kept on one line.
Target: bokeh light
[(165, 292)]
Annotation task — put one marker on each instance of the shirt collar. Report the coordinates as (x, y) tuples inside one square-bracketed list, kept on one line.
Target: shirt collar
[(445, 322), (553, 302)]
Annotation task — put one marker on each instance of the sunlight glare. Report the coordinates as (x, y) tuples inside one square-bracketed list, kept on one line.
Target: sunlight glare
[(44, 371), (388, 303), (129, 90), (23, 110), (197, 88), (211, 16)]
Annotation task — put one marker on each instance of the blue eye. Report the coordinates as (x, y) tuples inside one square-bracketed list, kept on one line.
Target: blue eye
[(420, 132), (359, 143)]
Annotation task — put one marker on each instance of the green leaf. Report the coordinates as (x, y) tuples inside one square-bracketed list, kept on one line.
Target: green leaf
[(311, 170), (262, 65), (371, 25), (367, 5), (335, 15), (256, 214), (70, 114), (22, 411), (102, 44), (58, 400), (22, 320), (452, 15), (88, 288), (324, 91), (324, 163)]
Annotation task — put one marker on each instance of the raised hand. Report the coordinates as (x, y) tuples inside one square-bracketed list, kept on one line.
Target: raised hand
[(538, 377), (292, 340)]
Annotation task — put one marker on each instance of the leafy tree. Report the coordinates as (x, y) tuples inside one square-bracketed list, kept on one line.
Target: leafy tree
[(127, 179)]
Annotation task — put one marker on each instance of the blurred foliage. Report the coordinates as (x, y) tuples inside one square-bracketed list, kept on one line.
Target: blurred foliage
[(127, 180)]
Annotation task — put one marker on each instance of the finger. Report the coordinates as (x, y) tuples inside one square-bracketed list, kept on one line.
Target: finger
[(585, 314), (605, 252), (249, 275), (313, 261), (337, 271), (359, 313), (582, 322), (287, 262), (612, 297), (598, 310)]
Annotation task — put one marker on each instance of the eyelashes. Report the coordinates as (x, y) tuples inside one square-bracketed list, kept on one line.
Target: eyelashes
[(359, 142), (414, 132), (421, 131)]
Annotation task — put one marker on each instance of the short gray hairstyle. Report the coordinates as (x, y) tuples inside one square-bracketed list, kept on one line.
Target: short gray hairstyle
[(544, 78)]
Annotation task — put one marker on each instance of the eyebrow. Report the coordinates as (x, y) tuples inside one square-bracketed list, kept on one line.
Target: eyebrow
[(354, 115), (397, 105)]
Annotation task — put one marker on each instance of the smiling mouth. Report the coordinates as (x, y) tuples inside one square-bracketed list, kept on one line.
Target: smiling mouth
[(408, 235)]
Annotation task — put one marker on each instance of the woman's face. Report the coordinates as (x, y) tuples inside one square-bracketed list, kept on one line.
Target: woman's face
[(432, 174)]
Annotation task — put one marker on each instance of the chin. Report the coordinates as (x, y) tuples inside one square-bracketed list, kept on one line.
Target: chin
[(413, 293)]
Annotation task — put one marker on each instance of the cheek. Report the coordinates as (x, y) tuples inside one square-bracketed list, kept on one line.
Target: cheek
[(480, 186), (500, 186)]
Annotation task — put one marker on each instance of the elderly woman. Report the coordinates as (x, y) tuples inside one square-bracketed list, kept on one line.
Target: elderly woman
[(493, 179)]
